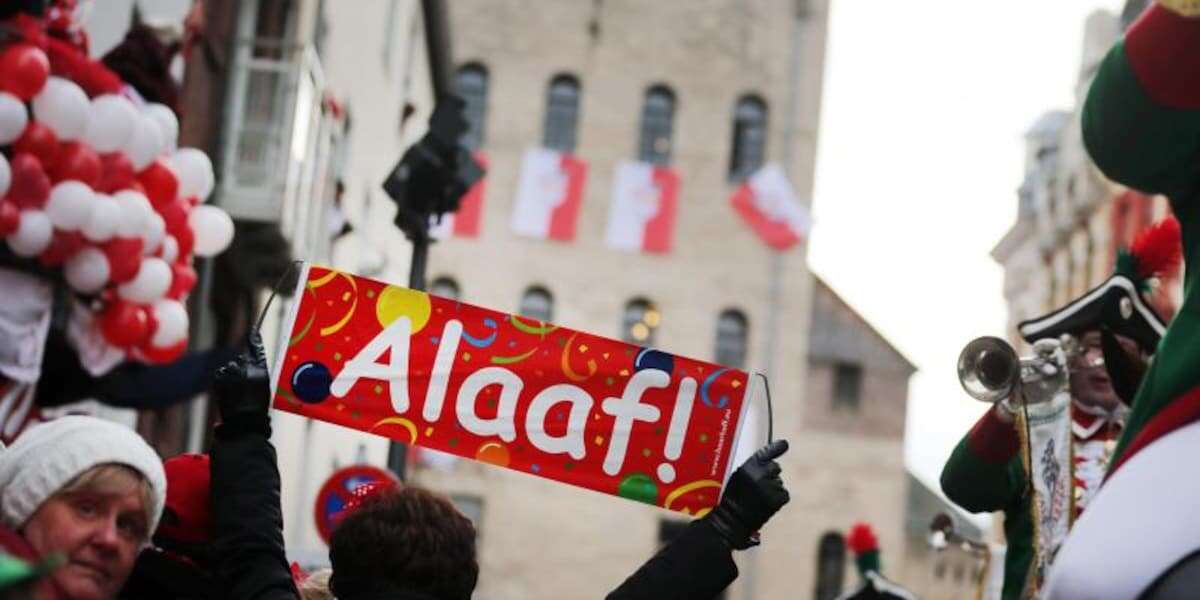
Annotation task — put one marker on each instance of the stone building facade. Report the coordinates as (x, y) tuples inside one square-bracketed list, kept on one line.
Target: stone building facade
[(710, 297), (1071, 221)]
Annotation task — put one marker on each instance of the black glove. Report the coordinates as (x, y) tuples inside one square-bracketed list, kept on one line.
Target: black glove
[(243, 390), (753, 495)]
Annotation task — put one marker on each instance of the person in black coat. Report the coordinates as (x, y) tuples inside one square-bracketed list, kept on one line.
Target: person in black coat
[(248, 522), (698, 564)]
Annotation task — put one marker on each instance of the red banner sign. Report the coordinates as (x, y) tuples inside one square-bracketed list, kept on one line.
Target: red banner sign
[(530, 396)]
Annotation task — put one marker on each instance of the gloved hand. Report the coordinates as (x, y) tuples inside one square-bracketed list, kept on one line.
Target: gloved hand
[(243, 389), (754, 494)]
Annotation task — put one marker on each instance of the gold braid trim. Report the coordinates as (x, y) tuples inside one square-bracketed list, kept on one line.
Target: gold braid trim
[(1030, 588), (1187, 8)]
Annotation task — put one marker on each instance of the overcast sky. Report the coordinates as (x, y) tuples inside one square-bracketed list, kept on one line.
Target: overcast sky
[(920, 156)]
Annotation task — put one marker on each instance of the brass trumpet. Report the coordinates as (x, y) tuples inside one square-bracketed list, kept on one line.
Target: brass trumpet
[(990, 370)]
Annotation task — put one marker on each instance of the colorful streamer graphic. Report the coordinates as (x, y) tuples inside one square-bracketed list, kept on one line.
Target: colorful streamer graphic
[(565, 405)]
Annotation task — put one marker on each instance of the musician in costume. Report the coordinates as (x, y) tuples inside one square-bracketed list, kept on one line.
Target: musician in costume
[(1040, 455), (1141, 125), (872, 584)]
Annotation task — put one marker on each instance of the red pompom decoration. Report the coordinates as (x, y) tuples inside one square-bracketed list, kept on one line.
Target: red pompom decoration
[(1159, 249), (24, 69), (862, 539)]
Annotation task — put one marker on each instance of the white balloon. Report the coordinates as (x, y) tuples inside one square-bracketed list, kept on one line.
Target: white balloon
[(172, 319), (88, 271), (152, 281), (168, 123), (170, 249), (194, 171), (63, 107), (153, 236), (70, 205), (135, 213), (145, 144), (213, 229), (13, 118), (5, 175), (106, 219), (110, 123), (32, 235)]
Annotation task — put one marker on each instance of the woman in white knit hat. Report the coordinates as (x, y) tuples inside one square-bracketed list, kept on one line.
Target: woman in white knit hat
[(87, 490)]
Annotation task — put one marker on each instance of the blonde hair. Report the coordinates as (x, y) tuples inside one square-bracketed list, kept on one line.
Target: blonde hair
[(114, 479), (316, 586)]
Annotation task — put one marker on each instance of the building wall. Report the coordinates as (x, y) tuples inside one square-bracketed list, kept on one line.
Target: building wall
[(375, 62), (1072, 220), (709, 53), (544, 540)]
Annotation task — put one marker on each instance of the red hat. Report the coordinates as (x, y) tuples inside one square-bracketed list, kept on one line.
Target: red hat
[(186, 518)]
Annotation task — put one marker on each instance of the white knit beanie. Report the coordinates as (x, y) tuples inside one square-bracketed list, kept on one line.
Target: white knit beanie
[(49, 455)]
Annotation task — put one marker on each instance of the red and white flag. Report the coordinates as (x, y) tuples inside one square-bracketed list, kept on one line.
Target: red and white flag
[(767, 202), (644, 201), (465, 222), (549, 195)]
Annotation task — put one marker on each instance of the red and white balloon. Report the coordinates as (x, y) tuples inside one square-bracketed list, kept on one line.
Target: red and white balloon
[(98, 189)]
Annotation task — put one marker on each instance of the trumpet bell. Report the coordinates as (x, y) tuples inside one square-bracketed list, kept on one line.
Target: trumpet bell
[(989, 369)]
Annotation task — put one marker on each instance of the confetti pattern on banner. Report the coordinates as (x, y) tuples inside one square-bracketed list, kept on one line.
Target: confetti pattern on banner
[(634, 422)]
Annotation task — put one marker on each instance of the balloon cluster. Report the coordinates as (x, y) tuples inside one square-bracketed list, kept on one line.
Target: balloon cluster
[(96, 187)]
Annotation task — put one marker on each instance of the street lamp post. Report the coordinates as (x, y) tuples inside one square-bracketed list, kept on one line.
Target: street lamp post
[(429, 182)]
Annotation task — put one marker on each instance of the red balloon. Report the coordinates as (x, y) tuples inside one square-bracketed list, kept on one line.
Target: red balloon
[(162, 355), (30, 185), (160, 182), (40, 141), (185, 240), (174, 214), (79, 162), (125, 324), (124, 257), (63, 246), (116, 173), (25, 69), (10, 218), (183, 279)]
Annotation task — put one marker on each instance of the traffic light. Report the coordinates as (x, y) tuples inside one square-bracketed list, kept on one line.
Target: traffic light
[(434, 173)]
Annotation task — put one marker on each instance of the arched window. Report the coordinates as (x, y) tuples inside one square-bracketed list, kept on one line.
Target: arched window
[(562, 114), (731, 339), (749, 137), (831, 566), (537, 303), (658, 114), (640, 321), (444, 287), (472, 83)]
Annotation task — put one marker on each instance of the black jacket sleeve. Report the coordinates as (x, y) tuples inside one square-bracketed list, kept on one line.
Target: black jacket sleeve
[(247, 518), (697, 565)]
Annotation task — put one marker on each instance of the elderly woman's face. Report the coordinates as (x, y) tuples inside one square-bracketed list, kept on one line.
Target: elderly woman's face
[(100, 535)]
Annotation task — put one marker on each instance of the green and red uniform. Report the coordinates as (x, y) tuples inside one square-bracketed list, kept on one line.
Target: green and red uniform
[(985, 474)]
